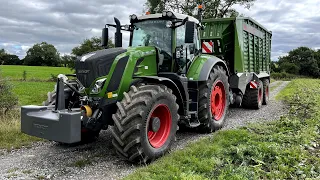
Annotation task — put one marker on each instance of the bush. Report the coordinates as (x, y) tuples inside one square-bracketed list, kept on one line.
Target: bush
[(7, 98), (284, 76)]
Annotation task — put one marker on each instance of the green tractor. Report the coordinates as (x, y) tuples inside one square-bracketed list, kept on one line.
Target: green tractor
[(176, 72)]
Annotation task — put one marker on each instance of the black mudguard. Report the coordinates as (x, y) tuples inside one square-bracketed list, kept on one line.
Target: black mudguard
[(208, 65)]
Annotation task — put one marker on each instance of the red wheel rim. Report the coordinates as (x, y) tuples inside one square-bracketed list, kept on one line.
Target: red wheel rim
[(218, 100), (267, 91), (158, 139), (260, 94)]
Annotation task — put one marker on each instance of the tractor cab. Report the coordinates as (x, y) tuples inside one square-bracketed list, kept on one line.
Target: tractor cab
[(174, 35)]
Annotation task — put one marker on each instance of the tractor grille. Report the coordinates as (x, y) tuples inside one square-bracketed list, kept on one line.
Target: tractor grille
[(95, 64)]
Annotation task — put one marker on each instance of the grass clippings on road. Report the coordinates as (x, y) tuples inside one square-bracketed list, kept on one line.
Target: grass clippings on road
[(283, 149), (11, 136)]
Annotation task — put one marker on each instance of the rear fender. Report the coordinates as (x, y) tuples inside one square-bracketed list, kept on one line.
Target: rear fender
[(201, 67)]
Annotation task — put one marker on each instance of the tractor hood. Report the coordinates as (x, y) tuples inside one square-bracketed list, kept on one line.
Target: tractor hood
[(95, 64)]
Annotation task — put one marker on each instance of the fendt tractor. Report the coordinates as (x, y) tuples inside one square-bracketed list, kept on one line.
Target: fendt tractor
[(178, 71)]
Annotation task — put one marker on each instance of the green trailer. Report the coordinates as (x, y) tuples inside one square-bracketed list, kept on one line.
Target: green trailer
[(242, 42), (177, 72)]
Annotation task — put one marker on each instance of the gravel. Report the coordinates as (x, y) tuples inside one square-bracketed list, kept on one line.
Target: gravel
[(50, 160)]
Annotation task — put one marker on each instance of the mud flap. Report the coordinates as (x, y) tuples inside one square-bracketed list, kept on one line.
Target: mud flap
[(61, 126)]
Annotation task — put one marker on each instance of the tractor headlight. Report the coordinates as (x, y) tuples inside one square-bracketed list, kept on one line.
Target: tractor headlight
[(98, 86)]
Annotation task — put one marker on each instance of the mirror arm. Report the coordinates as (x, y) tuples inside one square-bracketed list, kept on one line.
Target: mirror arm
[(183, 22), (111, 25)]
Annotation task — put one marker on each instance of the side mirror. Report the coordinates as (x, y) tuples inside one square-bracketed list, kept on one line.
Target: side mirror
[(105, 38), (190, 30)]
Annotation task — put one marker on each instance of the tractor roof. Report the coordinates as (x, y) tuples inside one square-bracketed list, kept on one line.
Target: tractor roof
[(177, 16)]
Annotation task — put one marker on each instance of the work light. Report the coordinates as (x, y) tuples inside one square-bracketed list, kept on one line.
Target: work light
[(169, 14), (133, 17)]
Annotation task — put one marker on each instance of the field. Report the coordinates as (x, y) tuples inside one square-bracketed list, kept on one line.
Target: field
[(34, 90), (284, 149), (32, 72), (32, 93)]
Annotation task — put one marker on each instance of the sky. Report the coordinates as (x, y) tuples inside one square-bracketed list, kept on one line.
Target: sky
[(66, 23)]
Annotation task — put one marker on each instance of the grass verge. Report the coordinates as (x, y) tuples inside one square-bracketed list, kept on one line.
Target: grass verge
[(283, 149), (11, 136), (32, 92)]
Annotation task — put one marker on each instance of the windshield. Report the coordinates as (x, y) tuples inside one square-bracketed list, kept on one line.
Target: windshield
[(152, 33)]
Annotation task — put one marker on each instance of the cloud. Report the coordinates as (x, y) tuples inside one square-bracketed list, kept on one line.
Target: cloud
[(65, 23)]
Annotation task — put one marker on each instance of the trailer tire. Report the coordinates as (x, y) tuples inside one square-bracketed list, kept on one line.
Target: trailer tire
[(213, 101), (266, 92), (253, 98), (133, 135)]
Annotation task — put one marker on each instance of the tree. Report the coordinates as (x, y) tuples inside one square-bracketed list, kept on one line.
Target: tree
[(90, 45), (2, 54), (290, 68), (275, 67), (212, 8), (10, 59), (42, 54), (306, 59), (68, 61)]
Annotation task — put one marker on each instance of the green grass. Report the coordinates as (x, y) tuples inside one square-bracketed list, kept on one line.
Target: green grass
[(33, 72), (11, 136), (284, 149), (32, 92)]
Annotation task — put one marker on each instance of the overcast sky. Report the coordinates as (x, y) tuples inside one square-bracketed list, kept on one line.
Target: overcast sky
[(65, 23)]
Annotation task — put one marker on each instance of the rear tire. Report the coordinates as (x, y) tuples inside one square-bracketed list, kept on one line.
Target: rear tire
[(214, 101), (134, 136), (266, 92), (253, 98)]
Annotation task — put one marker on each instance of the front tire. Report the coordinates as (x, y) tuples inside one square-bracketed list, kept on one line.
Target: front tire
[(214, 101), (145, 123)]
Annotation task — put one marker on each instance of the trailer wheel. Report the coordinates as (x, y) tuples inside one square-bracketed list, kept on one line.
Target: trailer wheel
[(214, 101), (253, 98), (145, 123), (266, 92)]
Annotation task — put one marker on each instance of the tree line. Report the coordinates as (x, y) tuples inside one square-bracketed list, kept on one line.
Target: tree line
[(211, 8), (44, 54), (302, 61)]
